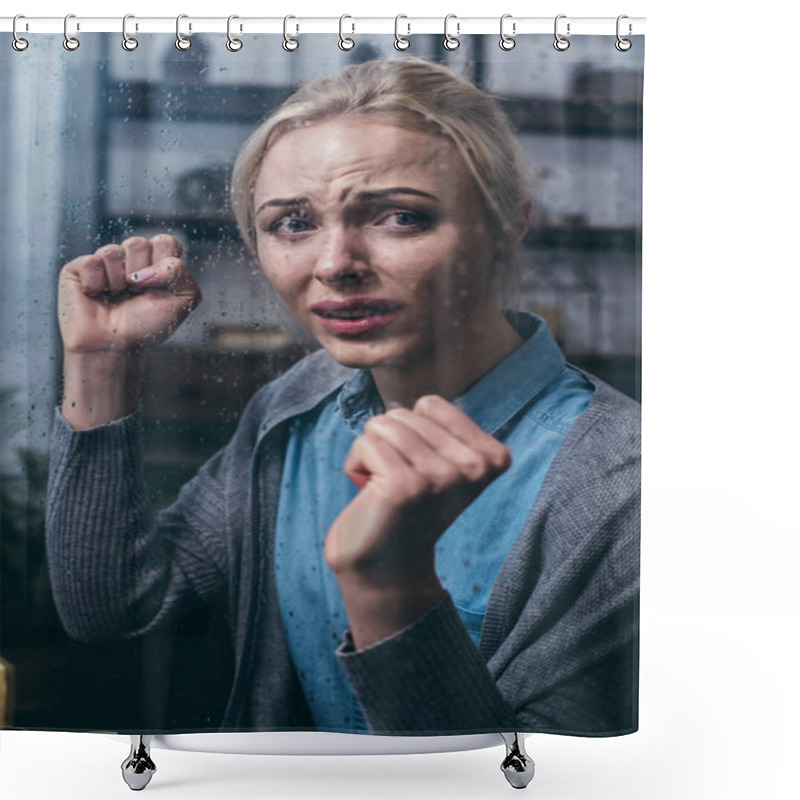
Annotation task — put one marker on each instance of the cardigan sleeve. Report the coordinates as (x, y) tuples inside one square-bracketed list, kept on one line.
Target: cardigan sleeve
[(116, 568), (428, 678), (563, 644), (567, 664), (559, 645)]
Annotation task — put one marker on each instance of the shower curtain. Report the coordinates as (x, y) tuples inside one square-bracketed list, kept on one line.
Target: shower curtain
[(539, 620)]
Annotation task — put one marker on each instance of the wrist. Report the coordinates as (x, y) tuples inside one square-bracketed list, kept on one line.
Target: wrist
[(100, 387), (377, 609)]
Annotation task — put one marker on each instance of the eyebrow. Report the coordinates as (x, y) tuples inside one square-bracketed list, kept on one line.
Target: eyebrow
[(293, 201), (362, 197), (395, 190)]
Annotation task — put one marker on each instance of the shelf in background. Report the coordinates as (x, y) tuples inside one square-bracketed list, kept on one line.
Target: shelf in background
[(576, 116)]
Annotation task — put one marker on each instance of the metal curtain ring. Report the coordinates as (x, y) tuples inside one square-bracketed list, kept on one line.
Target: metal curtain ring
[(289, 44), (623, 45), (128, 42), (345, 42), (234, 45), (400, 42), (451, 42), (70, 42), (18, 43), (561, 43), (181, 42), (506, 42)]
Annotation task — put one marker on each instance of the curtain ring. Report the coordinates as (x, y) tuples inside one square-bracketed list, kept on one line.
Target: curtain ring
[(506, 42), (289, 44), (400, 42), (623, 45), (234, 45), (181, 42), (345, 42), (128, 42), (561, 43), (451, 42), (19, 44), (70, 42)]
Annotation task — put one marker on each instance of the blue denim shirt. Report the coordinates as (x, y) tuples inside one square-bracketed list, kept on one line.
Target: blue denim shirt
[(529, 401)]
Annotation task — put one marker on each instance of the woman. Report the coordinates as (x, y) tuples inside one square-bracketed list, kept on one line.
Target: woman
[(428, 526)]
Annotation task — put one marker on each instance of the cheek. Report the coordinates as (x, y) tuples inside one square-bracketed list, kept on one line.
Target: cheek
[(462, 285), (284, 290), (441, 278), (285, 277)]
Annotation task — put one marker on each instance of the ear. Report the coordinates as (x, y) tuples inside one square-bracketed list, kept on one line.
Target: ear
[(514, 230), (524, 220)]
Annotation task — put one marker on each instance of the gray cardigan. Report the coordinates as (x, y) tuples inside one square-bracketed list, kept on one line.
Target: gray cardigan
[(558, 650)]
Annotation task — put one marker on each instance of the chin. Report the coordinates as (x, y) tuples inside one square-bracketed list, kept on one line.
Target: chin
[(369, 354)]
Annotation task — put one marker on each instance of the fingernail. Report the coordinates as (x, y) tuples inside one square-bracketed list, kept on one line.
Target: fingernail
[(143, 275)]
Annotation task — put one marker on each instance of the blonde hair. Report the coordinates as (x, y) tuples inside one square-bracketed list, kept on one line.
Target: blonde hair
[(419, 95)]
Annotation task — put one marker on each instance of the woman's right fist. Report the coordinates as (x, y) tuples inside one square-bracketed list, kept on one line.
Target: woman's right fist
[(125, 297)]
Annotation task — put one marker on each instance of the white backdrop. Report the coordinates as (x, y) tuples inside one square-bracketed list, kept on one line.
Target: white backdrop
[(719, 694)]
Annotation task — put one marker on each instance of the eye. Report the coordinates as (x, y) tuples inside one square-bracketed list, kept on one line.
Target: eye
[(289, 225), (403, 218), (406, 218), (293, 225)]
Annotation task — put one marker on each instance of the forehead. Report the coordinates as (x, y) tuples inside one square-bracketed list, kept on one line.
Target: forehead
[(336, 156)]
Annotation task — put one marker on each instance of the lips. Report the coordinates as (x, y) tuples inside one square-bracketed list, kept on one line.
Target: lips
[(357, 316)]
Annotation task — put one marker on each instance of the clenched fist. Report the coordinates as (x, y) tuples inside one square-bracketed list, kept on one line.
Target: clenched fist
[(125, 297), (111, 306), (417, 470)]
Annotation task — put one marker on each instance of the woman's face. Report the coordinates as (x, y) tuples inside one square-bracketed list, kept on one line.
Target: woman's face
[(374, 237)]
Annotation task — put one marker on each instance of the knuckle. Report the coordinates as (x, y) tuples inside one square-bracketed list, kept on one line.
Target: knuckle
[(499, 458), (377, 423), (164, 240), (427, 402), (71, 267), (372, 424), (474, 467), (92, 267), (136, 243), (444, 479), (109, 250)]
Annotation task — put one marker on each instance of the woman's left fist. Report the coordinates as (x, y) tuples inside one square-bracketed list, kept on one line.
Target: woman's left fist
[(417, 470)]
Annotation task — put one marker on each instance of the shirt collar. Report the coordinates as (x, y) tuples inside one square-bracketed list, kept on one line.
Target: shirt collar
[(491, 402), (359, 400)]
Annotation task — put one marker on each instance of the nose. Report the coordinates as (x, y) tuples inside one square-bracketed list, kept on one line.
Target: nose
[(341, 258)]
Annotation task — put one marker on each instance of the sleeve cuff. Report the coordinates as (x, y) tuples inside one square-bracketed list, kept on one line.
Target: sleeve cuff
[(427, 679), (133, 418)]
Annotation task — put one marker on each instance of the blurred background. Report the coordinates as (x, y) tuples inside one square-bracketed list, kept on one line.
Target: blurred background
[(101, 144)]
